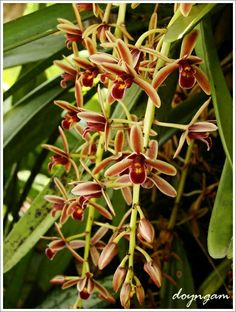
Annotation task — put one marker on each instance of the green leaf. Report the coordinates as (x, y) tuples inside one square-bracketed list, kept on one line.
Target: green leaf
[(22, 124), (65, 299), (37, 25), (216, 279), (36, 50), (220, 229), (180, 271), (221, 97), (230, 250), (27, 231), (183, 25)]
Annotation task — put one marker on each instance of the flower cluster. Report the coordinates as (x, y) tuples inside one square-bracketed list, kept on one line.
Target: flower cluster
[(116, 154)]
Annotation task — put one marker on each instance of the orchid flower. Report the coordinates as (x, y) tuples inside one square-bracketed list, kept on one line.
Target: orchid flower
[(197, 130), (189, 73), (143, 168), (73, 32), (71, 117), (122, 71), (95, 121), (70, 73), (91, 70), (61, 157), (85, 286)]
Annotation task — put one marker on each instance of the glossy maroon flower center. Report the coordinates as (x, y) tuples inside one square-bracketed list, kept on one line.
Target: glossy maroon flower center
[(138, 169), (69, 119), (84, 294), (186, 74), (88, 77)]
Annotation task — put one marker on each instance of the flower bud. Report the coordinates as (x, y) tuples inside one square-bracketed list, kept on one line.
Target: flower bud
[(108, 253), (146, 230), (125, 295), (57, 280), (154, 272), (140, 293), (118, 278)]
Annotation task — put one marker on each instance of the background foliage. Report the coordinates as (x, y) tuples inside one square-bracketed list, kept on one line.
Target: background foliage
[(31, 84)]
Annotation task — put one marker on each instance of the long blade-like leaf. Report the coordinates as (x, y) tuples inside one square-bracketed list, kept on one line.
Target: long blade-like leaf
[(220, 93), (183, 25), (221, 223)]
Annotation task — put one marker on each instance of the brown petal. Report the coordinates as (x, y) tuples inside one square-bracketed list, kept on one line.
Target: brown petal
[(91, 116), (146, 230), (202, 80), (136, 139), (99, 235), (189, 43), (119, 141), (94, 255), (181, 143), (125, 295), (82, 62), (148, 88), (124, 52), (202, 126), (77, 243), (86, 188), (113, 68), (66, 68), (104, 293), (55, 150), (103, 211), (69, 28), (127, 194), (64, 140), (118, 278), (163, 185), (79, 94), (118, 167), (163, 74), (154, 272), (105, 162), (54, 199), (90, 45), (70, 283), (108, 253), (152, 151), (162, 166), (65, 105), (100, 58)]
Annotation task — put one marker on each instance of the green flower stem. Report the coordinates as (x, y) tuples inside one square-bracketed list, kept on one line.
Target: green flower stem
[(170, 125), (119, 120), (70, 238), (107, 225), (132, 239), (146, 34), (99, 154), (146, 255), (180, 189)]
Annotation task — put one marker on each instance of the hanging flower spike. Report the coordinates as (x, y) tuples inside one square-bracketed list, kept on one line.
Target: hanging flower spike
[(123, 73), (140, 165), (189, 73), (197, 130), (69, 74), (73, 32), (61, 157)]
